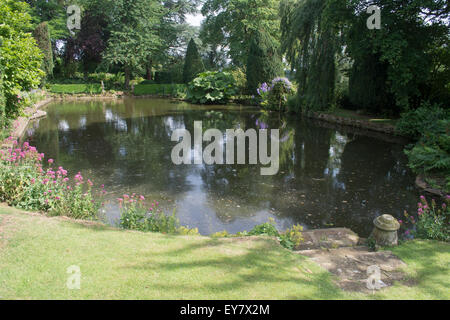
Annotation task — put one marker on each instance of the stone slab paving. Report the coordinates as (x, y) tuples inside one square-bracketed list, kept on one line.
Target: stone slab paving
[(352, 266), (328, 238)]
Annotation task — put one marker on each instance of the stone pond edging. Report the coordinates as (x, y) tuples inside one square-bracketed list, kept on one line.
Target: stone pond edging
[(364, 124), (421, 184), (21, 123)]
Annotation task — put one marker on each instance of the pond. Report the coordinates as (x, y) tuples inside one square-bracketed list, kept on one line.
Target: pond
[(328, 176)]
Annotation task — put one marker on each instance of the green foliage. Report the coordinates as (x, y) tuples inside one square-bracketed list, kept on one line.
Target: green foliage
[(231, 24), (24, 184), (431, 158), (42, 36), (133, 36), (372, 243), (263, 63), (310, 42), (240, 80), (292, 237), (417, 122), (220, 234), (175, 90), (136, 216), (293, 104), (211, 87), (266, 229), (193, 64), (393, 68), (432, 222), (20, 58), (429, 124), (2, 105)]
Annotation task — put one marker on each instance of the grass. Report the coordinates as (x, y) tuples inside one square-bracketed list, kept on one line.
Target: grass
[(35, 252), (159, 89), (76, 88)]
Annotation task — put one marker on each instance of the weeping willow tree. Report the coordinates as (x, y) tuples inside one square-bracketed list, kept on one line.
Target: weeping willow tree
[(391, 69), (311, 42)]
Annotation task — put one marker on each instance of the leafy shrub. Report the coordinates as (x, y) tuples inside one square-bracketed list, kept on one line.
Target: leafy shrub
[(434, 157), (136, 216), (433, 221), (276, 95), (240, 80), (220, 234), (20, 58), (292, 237), (211, 87), (267, 229), (430, 125), (26, 185), (423, 120)]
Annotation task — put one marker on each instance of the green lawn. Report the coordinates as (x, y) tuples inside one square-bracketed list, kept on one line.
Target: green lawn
[(88, 88), (35, 252)]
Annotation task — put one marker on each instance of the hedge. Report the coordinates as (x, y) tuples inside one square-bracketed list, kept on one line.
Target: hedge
[(159, 89)]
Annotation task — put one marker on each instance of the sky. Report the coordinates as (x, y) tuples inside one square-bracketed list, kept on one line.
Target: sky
[(195, 19)]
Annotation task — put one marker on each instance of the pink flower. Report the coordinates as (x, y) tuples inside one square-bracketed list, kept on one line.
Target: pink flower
[(142, 198), (50, 161)]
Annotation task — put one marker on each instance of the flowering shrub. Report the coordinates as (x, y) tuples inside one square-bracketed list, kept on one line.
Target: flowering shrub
[(136, 216), (25, 184), (433, 222), (276, 95)]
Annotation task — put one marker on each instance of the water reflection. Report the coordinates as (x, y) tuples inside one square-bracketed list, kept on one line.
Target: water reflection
[(327, 177)]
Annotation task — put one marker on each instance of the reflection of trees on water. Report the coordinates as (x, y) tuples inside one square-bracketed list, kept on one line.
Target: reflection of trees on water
[(325, 177)]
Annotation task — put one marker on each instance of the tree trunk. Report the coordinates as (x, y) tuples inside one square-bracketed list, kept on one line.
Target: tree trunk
[(127, 78), (148, 75)]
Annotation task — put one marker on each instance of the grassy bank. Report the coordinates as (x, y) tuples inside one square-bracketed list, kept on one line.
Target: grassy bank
[(35, 252), (87, 88)]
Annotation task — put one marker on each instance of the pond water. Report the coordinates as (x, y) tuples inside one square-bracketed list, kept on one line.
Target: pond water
[(328, 176)]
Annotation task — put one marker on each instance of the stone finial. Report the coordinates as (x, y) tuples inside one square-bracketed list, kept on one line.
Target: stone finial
[(385, 231)]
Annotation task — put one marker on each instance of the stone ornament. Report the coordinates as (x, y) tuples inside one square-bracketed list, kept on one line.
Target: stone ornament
[(385, 231)]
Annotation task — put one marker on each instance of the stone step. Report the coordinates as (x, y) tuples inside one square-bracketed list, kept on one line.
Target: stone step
[(331, 238), (353, 266)]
